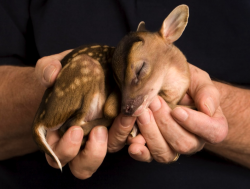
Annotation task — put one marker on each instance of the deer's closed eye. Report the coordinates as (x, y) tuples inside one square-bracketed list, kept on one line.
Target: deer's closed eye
[(140, 70)]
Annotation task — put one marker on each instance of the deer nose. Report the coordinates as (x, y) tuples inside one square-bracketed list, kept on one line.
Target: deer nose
[(131, 105)]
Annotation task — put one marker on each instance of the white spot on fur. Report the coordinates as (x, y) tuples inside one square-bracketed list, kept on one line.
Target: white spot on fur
[(72, 86), (74, 55), (77, 81), (85, 79), (67, 65), (73, 65), (59, 92), (95, 46), (76, 58), (42, 114), (85, 63), (97, 71), (83, 50), (85, 71)]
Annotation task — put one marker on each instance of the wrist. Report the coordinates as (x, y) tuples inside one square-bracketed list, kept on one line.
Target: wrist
[(234, 101), (235, 105)]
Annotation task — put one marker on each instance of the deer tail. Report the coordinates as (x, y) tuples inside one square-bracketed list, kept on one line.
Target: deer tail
[(39, 136)]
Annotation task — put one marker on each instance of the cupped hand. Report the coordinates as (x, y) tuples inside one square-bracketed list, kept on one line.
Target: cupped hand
[(81, 163), (166, 133)]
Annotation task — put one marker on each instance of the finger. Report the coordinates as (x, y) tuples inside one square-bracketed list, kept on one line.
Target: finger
[(186, 101), (47, 68), (67, 147), (181, 140), (137, 149), (212, 129), (140, 152), (61, 55), (156, 144), (119, 132), (203, 91), (138, 139), (91, 157)]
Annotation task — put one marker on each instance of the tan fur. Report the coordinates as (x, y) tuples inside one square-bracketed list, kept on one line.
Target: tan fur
[(144, 64), (78, 95), (153, 65)]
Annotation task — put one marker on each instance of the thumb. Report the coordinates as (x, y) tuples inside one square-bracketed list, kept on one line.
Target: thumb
[(48, 68)]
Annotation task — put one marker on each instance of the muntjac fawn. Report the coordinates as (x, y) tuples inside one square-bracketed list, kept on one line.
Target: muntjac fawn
[(144, 64)]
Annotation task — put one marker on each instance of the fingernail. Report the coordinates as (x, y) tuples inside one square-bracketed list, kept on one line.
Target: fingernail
[(101, 134), (180, 114), (48, 72), (136, 153), (144, 118), (209, 103), (155, 105), (127, 121), (76, 135)]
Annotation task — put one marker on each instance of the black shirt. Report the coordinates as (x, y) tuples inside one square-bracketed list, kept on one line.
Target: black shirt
[(217, 39)]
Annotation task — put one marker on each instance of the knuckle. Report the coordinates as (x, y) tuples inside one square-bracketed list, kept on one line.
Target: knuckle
[(98, 155), (186, 146), (121, 134), (42, 60), (205, 74), (164, 121), (217, 93), (162, 157), (114, 148), (68, 155), (117, 141), (200, 73), (219, 134)]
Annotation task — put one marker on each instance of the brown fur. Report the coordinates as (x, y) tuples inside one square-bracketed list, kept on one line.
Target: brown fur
[(82, 90), (144, 64), (152, 64)]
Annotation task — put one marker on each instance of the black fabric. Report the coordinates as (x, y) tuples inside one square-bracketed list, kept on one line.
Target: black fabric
[(216, 39)]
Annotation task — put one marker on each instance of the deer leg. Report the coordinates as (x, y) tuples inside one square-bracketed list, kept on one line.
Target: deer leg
[(112, 109), (112, 105), (173, 103)]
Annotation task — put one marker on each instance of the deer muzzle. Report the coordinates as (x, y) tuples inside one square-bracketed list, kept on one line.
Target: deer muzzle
[(135, 106)]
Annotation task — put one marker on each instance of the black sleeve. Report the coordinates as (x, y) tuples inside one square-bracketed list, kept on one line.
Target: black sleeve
[(17, 44)]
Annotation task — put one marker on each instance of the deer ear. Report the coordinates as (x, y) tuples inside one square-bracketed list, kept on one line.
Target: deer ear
[(174, 25), (141, 27)]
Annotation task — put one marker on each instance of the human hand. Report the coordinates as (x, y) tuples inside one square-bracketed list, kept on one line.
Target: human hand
[(81, 163), (168, 133)]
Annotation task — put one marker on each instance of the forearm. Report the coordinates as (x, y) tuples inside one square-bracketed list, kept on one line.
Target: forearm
[(235, 104), (20, 96)]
